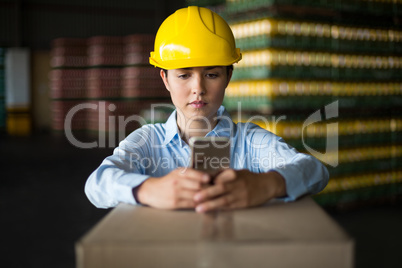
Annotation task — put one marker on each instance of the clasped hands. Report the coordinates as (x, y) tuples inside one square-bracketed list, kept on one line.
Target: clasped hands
[(189, 188)]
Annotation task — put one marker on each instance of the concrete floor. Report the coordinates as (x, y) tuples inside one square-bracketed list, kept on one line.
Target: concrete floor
[(44, 210)]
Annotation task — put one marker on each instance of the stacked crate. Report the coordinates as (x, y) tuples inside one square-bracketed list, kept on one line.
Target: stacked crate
[(142, 86), (303, 57), (67, 81), (2, 92), (111, 88), (141, 80), (105, 62)]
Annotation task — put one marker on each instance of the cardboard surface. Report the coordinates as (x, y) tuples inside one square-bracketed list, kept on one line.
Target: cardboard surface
[(297, 234)]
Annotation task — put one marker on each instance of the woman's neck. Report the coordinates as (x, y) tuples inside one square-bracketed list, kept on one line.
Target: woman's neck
[(194, 127)]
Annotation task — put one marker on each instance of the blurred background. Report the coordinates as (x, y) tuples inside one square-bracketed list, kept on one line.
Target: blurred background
[(326, 75)]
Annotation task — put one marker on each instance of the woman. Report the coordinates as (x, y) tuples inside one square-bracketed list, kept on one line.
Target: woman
[(195, 49)]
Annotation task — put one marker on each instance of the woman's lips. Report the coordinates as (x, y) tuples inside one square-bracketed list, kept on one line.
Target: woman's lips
[(198, 104)]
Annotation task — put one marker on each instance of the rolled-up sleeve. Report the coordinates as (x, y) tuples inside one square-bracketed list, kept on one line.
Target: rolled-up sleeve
[(113, 181), (303, 173)]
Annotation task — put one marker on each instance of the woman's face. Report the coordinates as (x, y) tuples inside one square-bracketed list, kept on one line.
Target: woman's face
[(197, 92)]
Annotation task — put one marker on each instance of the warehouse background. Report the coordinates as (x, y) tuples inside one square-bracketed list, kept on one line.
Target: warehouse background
[(338, 60)]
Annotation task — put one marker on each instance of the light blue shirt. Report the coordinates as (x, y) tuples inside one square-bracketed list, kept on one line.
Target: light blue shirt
[(154, 150)]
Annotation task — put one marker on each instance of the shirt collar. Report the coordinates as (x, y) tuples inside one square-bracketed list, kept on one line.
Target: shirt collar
[(172, 130), (225, 125), (224, 128)]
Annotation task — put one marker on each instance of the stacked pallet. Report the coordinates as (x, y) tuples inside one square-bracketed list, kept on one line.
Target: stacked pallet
[(67, 80), (138, 74), (103, 83), (326, 76), (105, 62)]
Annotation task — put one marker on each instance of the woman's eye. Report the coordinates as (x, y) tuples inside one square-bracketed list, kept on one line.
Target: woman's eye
[(212, 75), (183, 76)]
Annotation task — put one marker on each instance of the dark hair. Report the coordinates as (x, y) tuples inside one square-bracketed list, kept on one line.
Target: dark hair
[(228, 69)]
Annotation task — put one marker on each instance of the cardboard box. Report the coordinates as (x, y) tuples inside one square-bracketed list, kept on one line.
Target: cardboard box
[(297, 234)]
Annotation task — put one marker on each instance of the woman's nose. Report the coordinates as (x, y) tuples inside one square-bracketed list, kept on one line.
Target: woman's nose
[(198, 86)]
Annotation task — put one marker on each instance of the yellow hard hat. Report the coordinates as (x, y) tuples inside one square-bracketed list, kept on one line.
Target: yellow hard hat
[(194, 37)]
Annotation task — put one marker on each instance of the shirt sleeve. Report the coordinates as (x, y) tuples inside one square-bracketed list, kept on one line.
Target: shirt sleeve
[(303, 174), (113, 181)]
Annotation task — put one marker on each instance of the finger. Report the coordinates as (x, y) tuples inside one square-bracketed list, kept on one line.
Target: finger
[(222, 202), (226, 176), (213, 192), (186, 194), (195, 175), (190, 184), (185, 203)]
